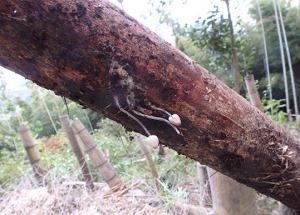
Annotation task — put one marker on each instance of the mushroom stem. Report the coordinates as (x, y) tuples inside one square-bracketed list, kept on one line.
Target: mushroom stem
[(131, 116), (156, 118), (160, 109)]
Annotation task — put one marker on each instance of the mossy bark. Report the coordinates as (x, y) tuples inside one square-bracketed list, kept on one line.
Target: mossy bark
[(92, 52)]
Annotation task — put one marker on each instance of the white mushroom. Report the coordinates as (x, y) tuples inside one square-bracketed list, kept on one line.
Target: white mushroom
[(153, 141), (175, 120)]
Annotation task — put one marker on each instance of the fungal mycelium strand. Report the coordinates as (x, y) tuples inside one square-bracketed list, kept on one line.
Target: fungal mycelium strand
[(173, 118), (131, 116), (156, 118)]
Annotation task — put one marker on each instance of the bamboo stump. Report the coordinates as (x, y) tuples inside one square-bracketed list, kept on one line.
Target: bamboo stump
[(230, 197), (161, 150), (33, 154), (253, 93), (77, 151), (108, 173), (150, 162), (205, 193)]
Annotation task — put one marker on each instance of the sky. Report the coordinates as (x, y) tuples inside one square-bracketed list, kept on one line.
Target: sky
[(186, 13)]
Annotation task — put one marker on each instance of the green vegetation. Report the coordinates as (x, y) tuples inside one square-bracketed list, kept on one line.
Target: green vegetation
[(124, 154), (208, 43)]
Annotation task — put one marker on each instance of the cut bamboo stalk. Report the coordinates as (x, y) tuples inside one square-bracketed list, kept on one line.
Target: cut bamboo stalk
[(205, 193), (253, 93), (33, 154), (77, 151), (150, 162), (108, 173), (161, 150), (230, 197), (289, 116)]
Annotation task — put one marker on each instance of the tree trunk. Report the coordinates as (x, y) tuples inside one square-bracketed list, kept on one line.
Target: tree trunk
[(93, 53), (223, 205)]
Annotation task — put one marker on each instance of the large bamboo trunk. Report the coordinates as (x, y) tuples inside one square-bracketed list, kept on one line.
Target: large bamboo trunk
[(94, 53)]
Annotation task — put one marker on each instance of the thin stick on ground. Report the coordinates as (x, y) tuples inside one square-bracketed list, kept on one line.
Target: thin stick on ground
[(148, 157)]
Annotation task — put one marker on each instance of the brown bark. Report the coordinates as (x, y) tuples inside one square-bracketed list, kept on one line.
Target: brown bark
[(91, 51), (65, 122)]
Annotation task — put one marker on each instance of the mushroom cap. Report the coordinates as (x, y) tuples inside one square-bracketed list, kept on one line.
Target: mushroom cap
[(153, 141), (175, 120)]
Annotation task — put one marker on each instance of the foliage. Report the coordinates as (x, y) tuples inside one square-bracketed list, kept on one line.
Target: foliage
[(21, 111), (291, 20), (125, 155), (212, 36), (278, 115), (207, 41)]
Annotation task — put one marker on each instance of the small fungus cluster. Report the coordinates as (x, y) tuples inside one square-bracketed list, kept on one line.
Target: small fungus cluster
[(124, 83), (152, 140)]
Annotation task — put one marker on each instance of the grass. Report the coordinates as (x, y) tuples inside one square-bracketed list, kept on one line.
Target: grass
[(178, 175)]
